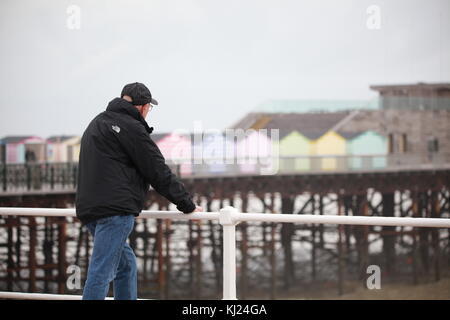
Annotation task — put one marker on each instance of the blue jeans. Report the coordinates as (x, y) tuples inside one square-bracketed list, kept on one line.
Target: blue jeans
[(112, 260)]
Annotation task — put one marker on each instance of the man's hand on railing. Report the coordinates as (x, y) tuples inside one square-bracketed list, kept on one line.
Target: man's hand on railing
[(198, 209)]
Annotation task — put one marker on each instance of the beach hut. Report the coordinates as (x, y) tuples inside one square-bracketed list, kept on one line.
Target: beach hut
[(176, 149), (367, 148), (293, 146), (23, 149), (299, 135), (2, 152), (213, 153), (63, 148), (295, 149), (255, 152), (310, 137), (74, 150), (330, 146)]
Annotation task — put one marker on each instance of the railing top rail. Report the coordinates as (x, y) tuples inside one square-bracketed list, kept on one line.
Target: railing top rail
[(70, 212), (236, 217), (42, 296), (351, 220)]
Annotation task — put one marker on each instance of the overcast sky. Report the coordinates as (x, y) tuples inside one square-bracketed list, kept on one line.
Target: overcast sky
[(207, 60)]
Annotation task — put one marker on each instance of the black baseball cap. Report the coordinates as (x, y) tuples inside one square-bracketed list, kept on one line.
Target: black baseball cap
[(138, 93)]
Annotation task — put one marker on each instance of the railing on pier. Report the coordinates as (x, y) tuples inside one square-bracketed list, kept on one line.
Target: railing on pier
[(46, 176), (228, 217)]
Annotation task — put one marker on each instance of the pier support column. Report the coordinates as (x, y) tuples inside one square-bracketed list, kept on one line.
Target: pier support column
[(388, 234)]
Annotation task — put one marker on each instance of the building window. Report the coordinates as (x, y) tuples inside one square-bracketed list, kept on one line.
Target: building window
[(397, 143), (432, 144), (403, 143), (391, 143)]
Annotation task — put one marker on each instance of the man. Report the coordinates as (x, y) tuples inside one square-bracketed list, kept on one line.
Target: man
[(118, 161)]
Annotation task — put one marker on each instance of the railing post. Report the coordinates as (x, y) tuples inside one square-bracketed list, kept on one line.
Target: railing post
[(28, 176), (229, 252), (52, 176)]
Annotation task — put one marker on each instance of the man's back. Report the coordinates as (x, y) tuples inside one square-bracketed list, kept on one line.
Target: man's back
[(118, 161)]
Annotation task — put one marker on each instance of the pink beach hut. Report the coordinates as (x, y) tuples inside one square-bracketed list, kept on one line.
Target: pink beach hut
[(254, 151), (176, 148), (21, 149)]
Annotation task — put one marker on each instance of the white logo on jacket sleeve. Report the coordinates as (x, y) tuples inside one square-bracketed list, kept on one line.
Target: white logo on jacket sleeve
[(116, 128)]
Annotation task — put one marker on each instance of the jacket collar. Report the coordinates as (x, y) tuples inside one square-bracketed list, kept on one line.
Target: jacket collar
[(120, 105)]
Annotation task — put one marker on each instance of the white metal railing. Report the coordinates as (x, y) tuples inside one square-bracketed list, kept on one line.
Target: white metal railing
[(42, 296), (228, 217), (39, 296)]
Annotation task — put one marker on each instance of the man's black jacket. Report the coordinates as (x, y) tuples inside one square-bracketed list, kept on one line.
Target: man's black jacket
[(118, 161)]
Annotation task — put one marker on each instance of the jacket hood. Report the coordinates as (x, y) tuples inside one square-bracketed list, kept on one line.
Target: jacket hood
[(120, 105)]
